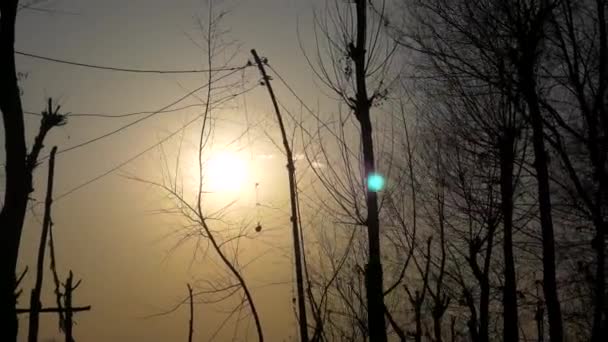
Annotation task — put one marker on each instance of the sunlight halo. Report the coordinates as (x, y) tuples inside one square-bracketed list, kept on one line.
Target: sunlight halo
[(225, 172)]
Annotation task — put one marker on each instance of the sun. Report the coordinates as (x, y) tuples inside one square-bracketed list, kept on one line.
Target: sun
[(225, 172)]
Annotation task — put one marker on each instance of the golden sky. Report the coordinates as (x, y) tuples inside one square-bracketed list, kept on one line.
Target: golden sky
[(114, 233), (110, 232)]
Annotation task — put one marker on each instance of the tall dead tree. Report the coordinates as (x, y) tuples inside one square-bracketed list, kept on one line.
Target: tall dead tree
[(35, 304), (69, 288), (293, 193)]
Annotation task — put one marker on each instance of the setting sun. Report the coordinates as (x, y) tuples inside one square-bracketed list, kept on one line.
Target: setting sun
[(225, 172)]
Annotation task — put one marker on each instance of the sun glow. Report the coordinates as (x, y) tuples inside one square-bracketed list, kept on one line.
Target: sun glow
[(225, 172)]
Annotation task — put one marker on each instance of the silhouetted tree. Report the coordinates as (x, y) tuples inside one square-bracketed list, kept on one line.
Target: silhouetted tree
[(357, 63), (499, 43), (193, 208), (577, 70), (19, 168), (17, 187), (35, 304)]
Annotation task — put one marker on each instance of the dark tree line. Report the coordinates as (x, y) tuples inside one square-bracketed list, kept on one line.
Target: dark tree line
[(531, 74), (501, 225)]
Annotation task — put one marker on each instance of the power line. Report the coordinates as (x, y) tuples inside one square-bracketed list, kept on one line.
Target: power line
[(120, 165), (138, 120), (118, 116), (117, 167), (127, 125), (293, 92), (121, 69), (301, 102)]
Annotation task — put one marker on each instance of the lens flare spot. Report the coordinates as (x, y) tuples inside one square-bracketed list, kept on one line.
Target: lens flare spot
[(375, 182)]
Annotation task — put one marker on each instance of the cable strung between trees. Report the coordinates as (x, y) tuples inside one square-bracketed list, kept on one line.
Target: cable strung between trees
[(141, 153), (121, 69), (164, 108), (119, 116)]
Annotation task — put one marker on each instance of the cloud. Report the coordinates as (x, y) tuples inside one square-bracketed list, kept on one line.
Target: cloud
[(296, 157), (265, 156)]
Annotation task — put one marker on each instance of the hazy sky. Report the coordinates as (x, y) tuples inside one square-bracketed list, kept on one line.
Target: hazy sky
[(110, 233)]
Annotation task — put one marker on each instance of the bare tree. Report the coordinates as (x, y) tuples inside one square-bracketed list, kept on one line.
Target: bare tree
[(17, 187), (203, 223), (35, 304), (191, 321), (462, 205), (499, 43), (19, 167), (577, 68), (357, 63)]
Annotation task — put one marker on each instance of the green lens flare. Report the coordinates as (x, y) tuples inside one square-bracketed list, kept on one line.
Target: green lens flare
[(375, 182)]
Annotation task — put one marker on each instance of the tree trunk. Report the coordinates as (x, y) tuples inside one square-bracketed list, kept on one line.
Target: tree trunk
[(599, 321), (600, 325), (191, 321), (69, 314), (35, 304), (472, 322), (16, 191), (373, 275), (373, 272), (484, 309), (509, 299), (481, 333), (437, 328), (528, 87), (418, 336), (293, 193)]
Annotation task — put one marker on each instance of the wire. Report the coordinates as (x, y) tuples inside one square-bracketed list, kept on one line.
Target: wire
[(127, 125), (292, 91), (136, 121), (118, 116), (117, 167), (131, 70)]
